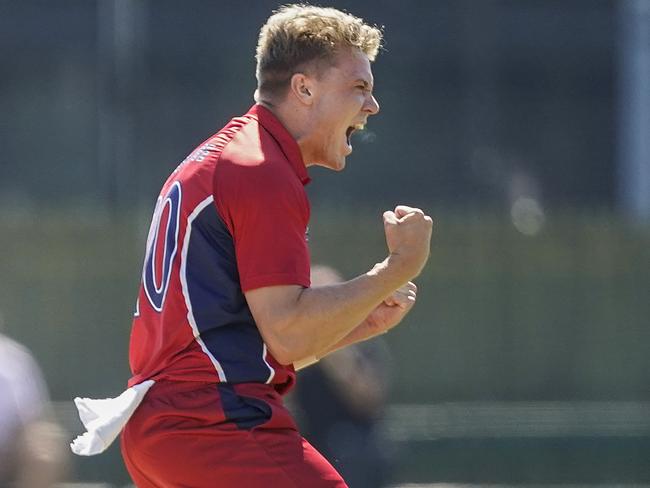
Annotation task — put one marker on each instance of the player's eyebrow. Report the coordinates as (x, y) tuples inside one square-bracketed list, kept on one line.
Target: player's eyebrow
[(366, 84)]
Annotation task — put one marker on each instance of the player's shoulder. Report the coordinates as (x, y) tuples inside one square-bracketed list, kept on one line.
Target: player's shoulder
[(253, 148), (243, 144), (243, 158), (195, 172), (210, 150), (253, 158)]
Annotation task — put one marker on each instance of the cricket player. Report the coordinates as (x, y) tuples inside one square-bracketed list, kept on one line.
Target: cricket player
[(225, 314)]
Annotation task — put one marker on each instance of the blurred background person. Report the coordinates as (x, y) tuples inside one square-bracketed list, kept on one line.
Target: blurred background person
[(32, 447), (340, 401)]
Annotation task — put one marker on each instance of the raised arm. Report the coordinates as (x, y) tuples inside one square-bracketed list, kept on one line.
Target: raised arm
[(298, 323)]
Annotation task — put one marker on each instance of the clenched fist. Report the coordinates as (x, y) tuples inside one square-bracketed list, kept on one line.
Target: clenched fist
[(408, 235)]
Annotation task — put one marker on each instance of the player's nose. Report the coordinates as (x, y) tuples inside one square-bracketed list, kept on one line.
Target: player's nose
[(372, 105)]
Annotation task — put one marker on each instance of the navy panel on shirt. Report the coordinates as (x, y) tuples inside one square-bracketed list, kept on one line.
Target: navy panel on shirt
[(219, 307), (245, 412)]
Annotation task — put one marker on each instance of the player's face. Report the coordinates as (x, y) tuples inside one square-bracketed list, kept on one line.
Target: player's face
[(342, 104)]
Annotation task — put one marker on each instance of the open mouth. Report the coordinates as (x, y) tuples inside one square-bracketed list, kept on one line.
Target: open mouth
[(348, 135), (351, 130)]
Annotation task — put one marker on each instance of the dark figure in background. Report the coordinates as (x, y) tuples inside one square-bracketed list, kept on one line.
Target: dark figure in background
[(340, 401)]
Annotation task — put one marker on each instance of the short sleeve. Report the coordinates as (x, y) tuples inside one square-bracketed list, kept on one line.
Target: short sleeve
[(266, 211)]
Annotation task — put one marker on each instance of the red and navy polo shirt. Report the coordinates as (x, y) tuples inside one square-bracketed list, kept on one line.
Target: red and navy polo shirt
[(231, 218)]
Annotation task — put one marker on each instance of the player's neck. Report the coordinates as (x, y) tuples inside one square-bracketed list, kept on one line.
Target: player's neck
[(293, 119)]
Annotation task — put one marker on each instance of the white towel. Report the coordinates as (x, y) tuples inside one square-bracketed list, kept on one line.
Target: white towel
[(104, 419)]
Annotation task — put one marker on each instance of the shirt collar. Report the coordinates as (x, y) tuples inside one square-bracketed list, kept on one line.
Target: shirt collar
[(287, 143)]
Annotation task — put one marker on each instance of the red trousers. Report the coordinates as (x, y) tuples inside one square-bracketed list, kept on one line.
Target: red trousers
[(199, 435)]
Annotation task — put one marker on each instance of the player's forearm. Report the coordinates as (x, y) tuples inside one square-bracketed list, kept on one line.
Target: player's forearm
[(359, 333), (322, 317), (383, 318)]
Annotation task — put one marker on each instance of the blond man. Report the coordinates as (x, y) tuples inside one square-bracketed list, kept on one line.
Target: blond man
[(225, 313)]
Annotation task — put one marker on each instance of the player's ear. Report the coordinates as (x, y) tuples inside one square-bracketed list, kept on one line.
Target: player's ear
[(302, 87)]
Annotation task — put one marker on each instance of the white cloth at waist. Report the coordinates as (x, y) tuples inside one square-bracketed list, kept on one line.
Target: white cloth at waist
[(104, 419)]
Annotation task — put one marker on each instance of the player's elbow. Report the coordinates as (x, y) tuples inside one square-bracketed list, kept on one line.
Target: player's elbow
[(284, 348), (281, 354), (284, 344), (277, 315)]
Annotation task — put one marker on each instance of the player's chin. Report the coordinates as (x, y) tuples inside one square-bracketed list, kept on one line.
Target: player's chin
[(336, 163), (339, 163), (335, 160)]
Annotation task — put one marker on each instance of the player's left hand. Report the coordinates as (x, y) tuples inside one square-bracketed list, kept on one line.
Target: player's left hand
[(392, 310)]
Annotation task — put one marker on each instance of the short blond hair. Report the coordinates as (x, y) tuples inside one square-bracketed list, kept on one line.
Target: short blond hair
[(298, 37)]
